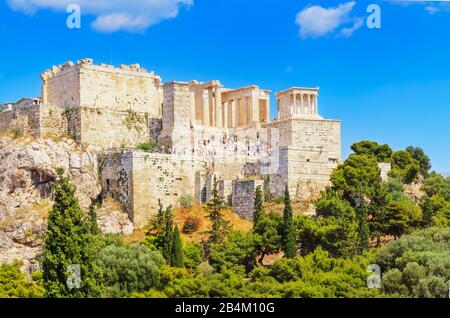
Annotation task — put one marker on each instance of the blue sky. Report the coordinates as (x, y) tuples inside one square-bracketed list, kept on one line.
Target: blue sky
[(391, 84)]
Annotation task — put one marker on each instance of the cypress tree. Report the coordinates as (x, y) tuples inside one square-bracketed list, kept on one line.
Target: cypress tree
[(361, 215), (363, 229), (168, 235), (219, 226), (258, 210), (177, 249), (68, 247), (290, 247), (92, 221)]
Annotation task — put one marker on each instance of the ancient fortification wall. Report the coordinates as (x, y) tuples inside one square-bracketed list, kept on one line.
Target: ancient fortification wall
[(25, 120), (243, 197)]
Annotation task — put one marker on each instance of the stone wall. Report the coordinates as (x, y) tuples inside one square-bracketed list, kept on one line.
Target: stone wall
[(36, 120), (243, 198), (117, 178), (53, 121), (110, 128), (304, 153), (22, 121), (138, 179)]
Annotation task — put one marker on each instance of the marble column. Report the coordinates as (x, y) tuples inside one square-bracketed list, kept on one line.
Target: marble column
[(233, 113), (309, 104), (212, 108), (218, 104), (225, 114), (302, 110), (205, 112), (316, 105), (295, 105)]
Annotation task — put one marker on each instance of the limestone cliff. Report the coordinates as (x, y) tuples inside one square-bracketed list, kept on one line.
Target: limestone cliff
[(27, 171)]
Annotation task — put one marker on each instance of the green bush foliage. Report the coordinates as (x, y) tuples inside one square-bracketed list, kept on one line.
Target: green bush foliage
[(14, 283), (417, 265), (129, 268), (186, 201)]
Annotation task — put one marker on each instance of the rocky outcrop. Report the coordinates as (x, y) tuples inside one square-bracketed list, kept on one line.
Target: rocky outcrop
[(111, 218), (27, 171), (414, 191)]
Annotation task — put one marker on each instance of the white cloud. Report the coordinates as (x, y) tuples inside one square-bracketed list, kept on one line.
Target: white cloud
[(347, 32), (111, 15), (316, 21), (431, 6), (438, 7)]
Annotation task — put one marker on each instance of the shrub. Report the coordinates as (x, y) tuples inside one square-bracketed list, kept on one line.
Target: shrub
[(148, 146), (279, 200), (186, 201), (193, 255), (191, 225), (129, 269), (13, 282), (17, 133), (417, 265)]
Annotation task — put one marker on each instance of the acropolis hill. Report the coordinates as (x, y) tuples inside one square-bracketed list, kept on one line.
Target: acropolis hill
[(202, 130)]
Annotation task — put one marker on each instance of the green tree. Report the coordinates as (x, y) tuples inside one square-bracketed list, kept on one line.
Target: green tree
[(258, 210), (437, 184), (417, 264), (268, 234), (382, 153), (167, 236), (404, 167), (436, 211), (92, 221), (334, 229), (68, 242), (357, 175), (289, 242), (362, 217), (377, 224), (14, 284), (237, 253), (402, 217), (193, 255), (129, 268), (219, 226), (423, 160), (156, 230), (177, 249)]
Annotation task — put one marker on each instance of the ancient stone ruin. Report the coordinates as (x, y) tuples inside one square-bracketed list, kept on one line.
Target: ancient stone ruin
[(202, 130)]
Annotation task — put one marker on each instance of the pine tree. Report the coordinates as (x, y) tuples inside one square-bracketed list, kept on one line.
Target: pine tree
[(68, 246), (219, 226), (258, 210), (290, 247), (177, 249)]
